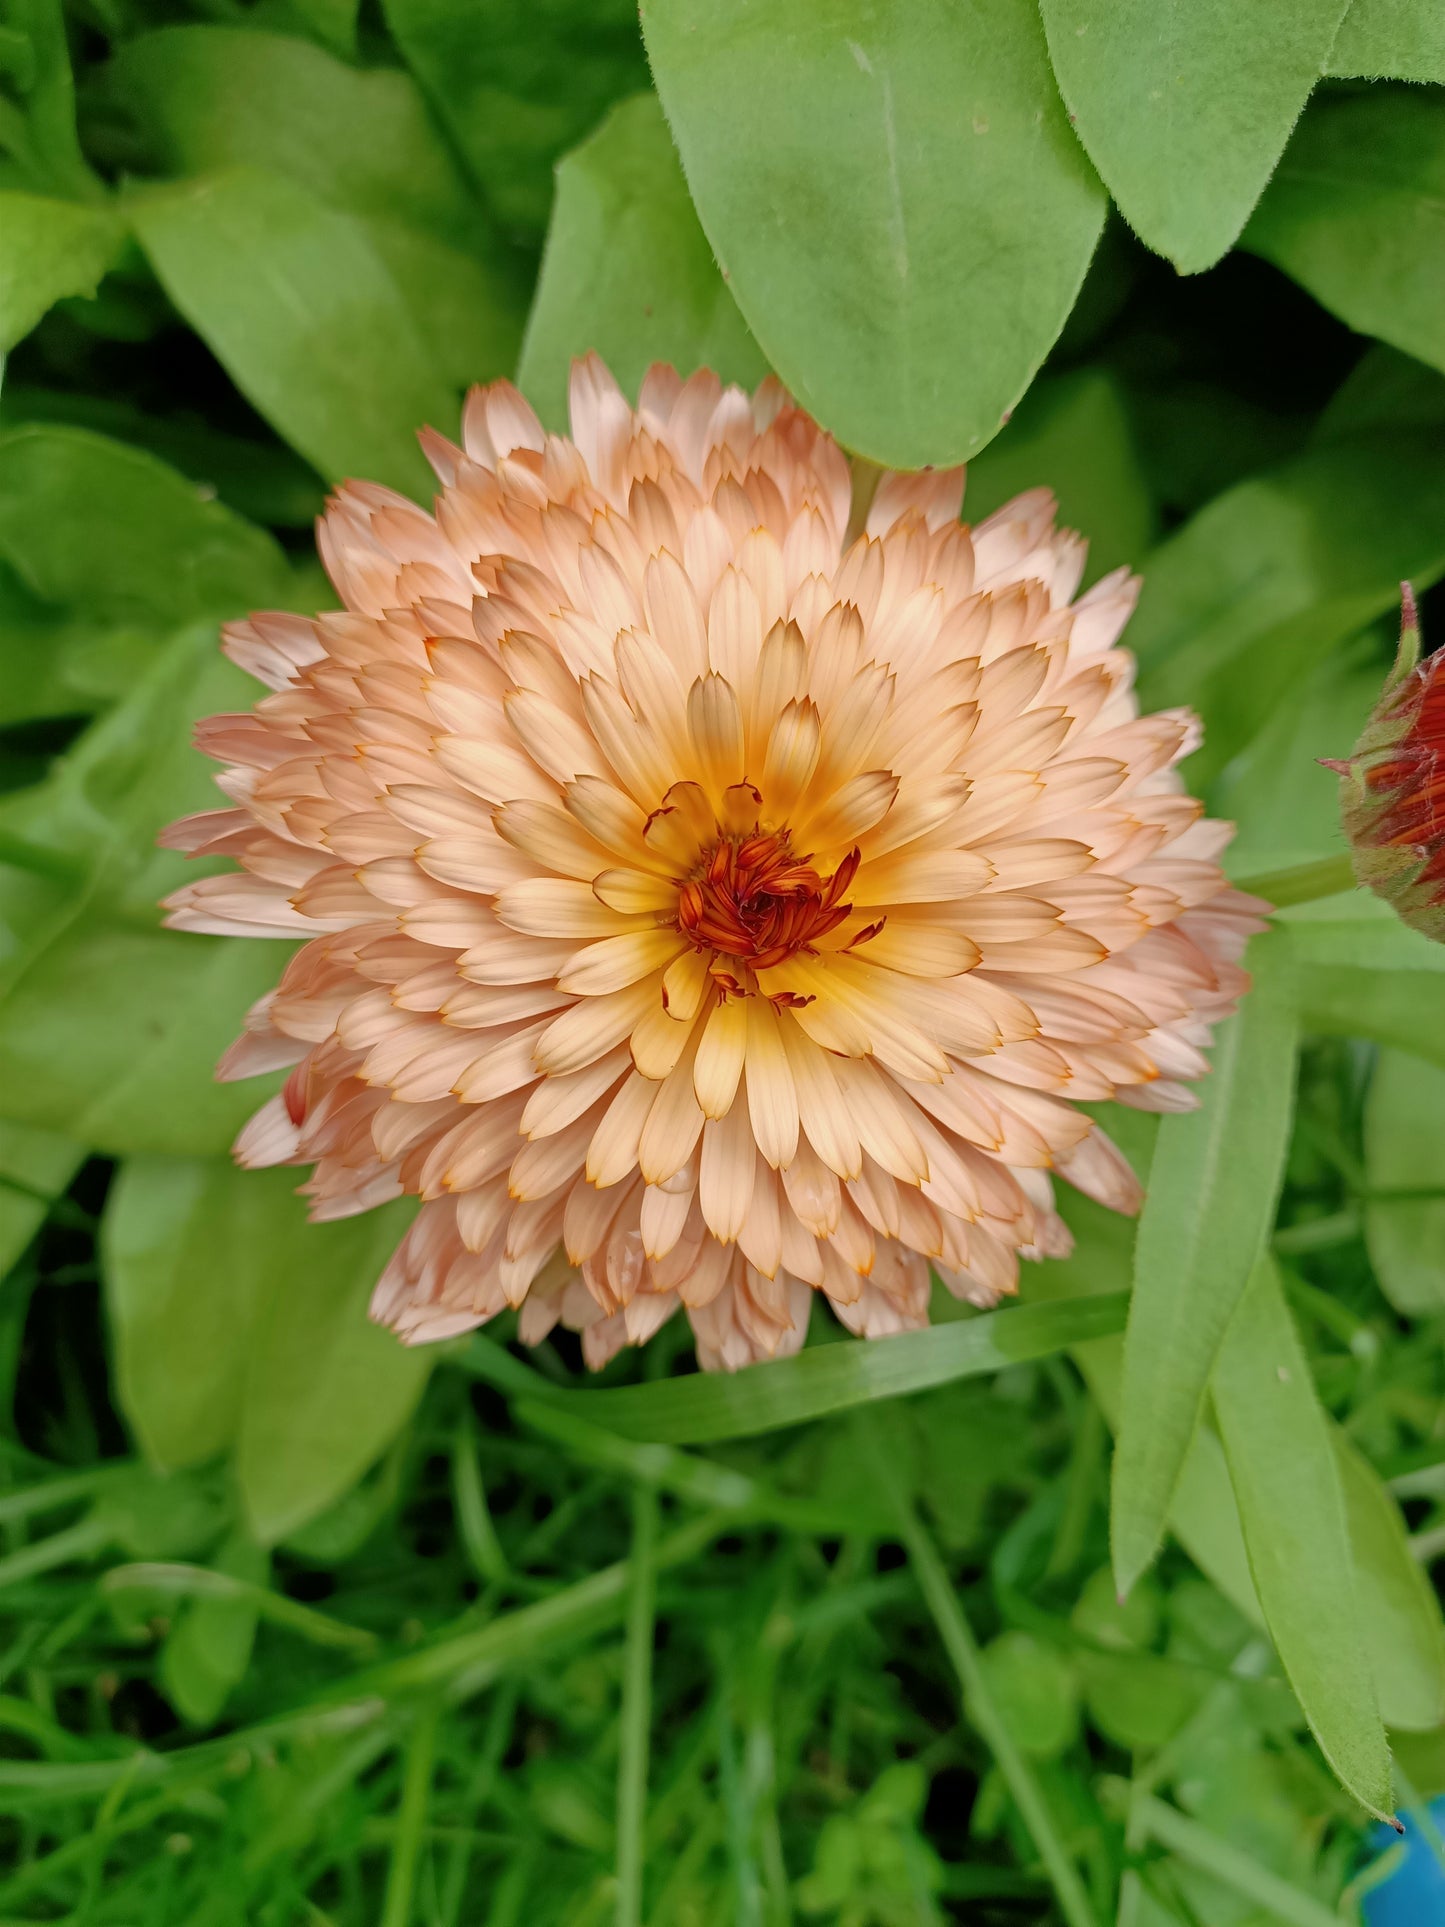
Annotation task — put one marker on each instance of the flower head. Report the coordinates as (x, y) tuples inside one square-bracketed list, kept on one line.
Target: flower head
[(1392, 787), (719, 885)]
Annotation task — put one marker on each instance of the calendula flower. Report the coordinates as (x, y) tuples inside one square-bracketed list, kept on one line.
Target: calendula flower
[(1392, 787), (721, 886)]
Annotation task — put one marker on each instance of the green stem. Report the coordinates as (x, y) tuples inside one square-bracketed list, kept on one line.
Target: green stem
[(962, 1649), (636, 1710), (1302, 883), (411, 1819), (1278, 1899)]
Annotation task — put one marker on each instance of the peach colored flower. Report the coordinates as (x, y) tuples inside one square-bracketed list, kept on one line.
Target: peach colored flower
[(712, 900)]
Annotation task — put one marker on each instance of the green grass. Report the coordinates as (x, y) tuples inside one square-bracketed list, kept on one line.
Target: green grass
[(534, 1671)]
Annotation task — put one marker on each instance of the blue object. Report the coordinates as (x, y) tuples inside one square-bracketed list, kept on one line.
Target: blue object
[(1414, 1894)]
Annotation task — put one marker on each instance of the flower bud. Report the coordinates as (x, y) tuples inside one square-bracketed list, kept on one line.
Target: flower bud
[(1392, 787)]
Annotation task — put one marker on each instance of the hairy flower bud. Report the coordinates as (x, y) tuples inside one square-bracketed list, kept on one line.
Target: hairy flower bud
[(1392, 786)]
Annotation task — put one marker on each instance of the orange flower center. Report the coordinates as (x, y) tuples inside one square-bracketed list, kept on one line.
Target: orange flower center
[(753, 899)]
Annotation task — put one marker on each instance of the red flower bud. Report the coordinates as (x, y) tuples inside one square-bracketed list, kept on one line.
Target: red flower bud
[(1392, 787)]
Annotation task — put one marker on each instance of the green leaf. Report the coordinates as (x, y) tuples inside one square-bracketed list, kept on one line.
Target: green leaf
[(1249, 596), (35, 1167), (188, 1256), (1405, 1151), (1211, 1199), (213, 98), (208, 1649), (1036, 1692), (628, 271), (1384, 389), (896, 199), (210, 98), (110, 1026), (1397, 1601), (1358, 931), (1202, 1515), (1288, 807), (1287, 1483), (1397, 39), (1354, 215), (1401, 1009), (294, 299), (48, 249), (93, 526), (1072, 432), (698, 1409), (1183, 125), (521, 85), (325, 1390)]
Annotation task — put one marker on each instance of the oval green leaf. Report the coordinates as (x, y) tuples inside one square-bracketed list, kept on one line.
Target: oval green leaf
[(1354, 215), (1185, 108), (628, 271), (295, 300), (896, 199)]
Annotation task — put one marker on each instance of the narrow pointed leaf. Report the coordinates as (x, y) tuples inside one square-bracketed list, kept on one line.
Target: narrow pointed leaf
[(1212, 1191), (1404, 1151), (895, 198), (1183, 123), (1287, 1483)]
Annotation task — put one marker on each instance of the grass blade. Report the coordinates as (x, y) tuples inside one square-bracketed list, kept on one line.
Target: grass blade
[(962, 1649), (702, 1409), (636, 1711)]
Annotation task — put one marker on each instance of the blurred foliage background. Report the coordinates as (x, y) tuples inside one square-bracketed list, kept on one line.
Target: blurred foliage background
[(296, 1626)]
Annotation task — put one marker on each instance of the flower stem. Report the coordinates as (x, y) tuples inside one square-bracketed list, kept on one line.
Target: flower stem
[(636, 1710), (962, 1648), (1303, 883)]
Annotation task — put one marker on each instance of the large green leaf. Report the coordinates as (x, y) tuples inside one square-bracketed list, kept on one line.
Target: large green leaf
[(49, 249), (1212, 1191), (212, 98), (895, 197), (518, 82), (190, 1250), (1071, 433), (1246, 598), (628, 271), (110, 1026), (92, 526), (295, 299), (701, 1409), (1287, 1483), (1405, 1151), (1399, 39), (1355, 215), (1185, 108), (325, 1390)]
